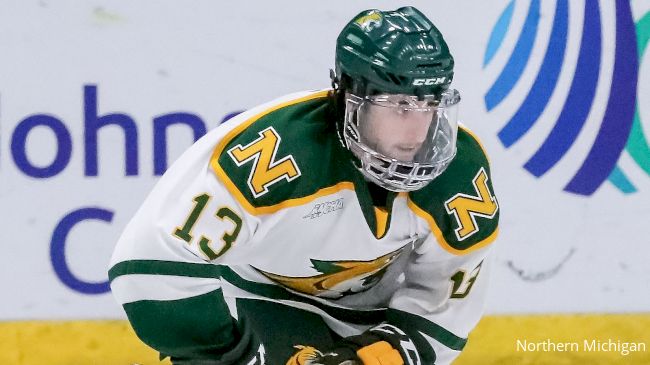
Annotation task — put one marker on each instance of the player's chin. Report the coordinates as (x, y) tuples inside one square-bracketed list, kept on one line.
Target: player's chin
[(403, 154)]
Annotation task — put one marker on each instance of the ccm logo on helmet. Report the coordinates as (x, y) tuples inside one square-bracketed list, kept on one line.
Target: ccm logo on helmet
[(431, 81)]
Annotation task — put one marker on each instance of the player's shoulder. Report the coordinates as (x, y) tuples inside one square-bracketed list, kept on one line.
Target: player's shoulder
[(460, 205), (282, 151)]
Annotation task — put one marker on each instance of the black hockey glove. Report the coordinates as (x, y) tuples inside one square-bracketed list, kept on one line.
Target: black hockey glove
[(381, 345)]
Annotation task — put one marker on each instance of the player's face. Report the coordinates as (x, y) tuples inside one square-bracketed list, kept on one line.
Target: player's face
[(397, 132)]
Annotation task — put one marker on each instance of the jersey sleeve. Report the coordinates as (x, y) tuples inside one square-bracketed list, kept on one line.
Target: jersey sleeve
[(167, 267), (441, 301)]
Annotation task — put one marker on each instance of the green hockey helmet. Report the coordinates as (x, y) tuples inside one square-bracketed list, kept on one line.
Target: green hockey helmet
[(393, 70), (397, 51)]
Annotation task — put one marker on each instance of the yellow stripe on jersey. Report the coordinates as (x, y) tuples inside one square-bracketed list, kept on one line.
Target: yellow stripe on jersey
[(381, 216), (437, 232)]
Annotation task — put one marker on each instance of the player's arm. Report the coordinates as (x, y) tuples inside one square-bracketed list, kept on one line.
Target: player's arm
[(429, 317), (441, 302), (443, 296), (167, 268)]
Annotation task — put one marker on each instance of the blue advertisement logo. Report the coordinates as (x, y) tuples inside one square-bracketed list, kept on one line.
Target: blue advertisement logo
[(93, 123), (620, 128)]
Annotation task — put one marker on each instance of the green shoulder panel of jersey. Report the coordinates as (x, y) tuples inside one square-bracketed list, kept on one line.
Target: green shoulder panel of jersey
[(460, 205), (284, 156)]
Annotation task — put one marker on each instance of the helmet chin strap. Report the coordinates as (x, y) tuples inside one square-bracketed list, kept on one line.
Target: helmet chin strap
[(335, 80)]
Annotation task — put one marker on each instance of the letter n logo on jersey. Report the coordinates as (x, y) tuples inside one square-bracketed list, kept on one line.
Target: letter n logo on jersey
[(266, 169), (465, 208)]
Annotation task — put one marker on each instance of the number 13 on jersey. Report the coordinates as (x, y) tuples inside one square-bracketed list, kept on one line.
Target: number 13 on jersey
[(184, 232)]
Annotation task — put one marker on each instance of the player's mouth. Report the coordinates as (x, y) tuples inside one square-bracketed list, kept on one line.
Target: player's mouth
[(405, 152), (408, 148)]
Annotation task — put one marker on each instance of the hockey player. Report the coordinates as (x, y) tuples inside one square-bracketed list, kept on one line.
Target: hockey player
[(343, 226)]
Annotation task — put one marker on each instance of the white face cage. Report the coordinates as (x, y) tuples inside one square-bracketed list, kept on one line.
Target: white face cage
[(394, 164)]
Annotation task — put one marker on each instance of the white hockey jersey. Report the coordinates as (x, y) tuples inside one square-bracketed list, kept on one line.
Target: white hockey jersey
[(268, 205)]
